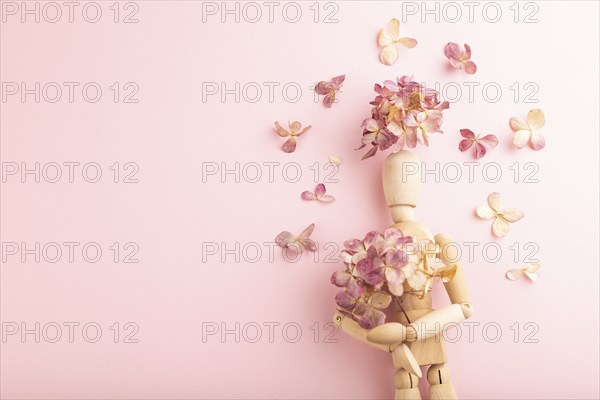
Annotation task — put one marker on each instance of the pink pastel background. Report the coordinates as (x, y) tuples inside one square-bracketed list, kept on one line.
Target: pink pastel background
[(171, 132)]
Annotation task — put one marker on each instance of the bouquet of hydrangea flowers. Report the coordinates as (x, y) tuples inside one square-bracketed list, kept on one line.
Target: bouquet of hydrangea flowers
[(377, 268), (404, 113)]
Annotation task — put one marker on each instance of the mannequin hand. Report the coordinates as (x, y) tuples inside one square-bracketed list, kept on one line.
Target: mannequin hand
[(392, 333)]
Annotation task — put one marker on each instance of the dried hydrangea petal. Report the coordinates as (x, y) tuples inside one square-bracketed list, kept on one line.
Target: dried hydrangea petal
[(490, 140), (469, 67), (389, 54), (341, 278), (485, 212), (495, 201), (467, 133), (395, 281), (521, 138), (460, 58), (326, 198), (287, 240), (329, 89), (452, 51), (528, 132), (318, 195), (284, 239), (530, 272), (371, 318), (518, 124), (514, 274), (512, 214), (481, 144), (479, 150), (537, 141), (535, 119), (407, 42), (384, 39), (345, 300), (500, 227), (289, 146), (380, 300), (335, 160), (338, 80), (320, 190), (308, 195), (295, 126), (394, 28)]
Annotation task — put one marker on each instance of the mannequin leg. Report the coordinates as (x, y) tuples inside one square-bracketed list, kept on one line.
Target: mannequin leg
[(440, 387), (407, 385)]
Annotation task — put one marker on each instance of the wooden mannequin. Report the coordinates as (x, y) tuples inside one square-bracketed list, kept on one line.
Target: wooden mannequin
[(417, 341)]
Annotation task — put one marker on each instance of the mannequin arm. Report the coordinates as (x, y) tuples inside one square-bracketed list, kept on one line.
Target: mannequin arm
[(457, 287), (352, 328)]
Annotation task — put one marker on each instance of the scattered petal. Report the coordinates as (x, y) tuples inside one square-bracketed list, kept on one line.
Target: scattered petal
[(500, 226), (318, 195), (465, 144), (295, 127), (537, 141), (307, 195), (521, 138), (384, 39), (528, 131), (329, 89), (482, 144), (468, 134), (485, 212), (514, 274), (518, 124), (407, 42), (287, 240), (335, 160), (512, 214), (460, 59), (326, 199), (280, 131), (388, 42), (535, 119), (490, 141), (495, 201), (529, 271), (389, 54), (294, 131), (289, 146)]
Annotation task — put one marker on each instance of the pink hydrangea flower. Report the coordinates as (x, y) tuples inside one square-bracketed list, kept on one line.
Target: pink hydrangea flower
[(493, 210), (528, 131), (404, 114), (329, 89), (318, 195), (391, 268), (459, 58), (388, 41), (295, 131), (383, 267), (376, 269), (481, 143), (287, 240)]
